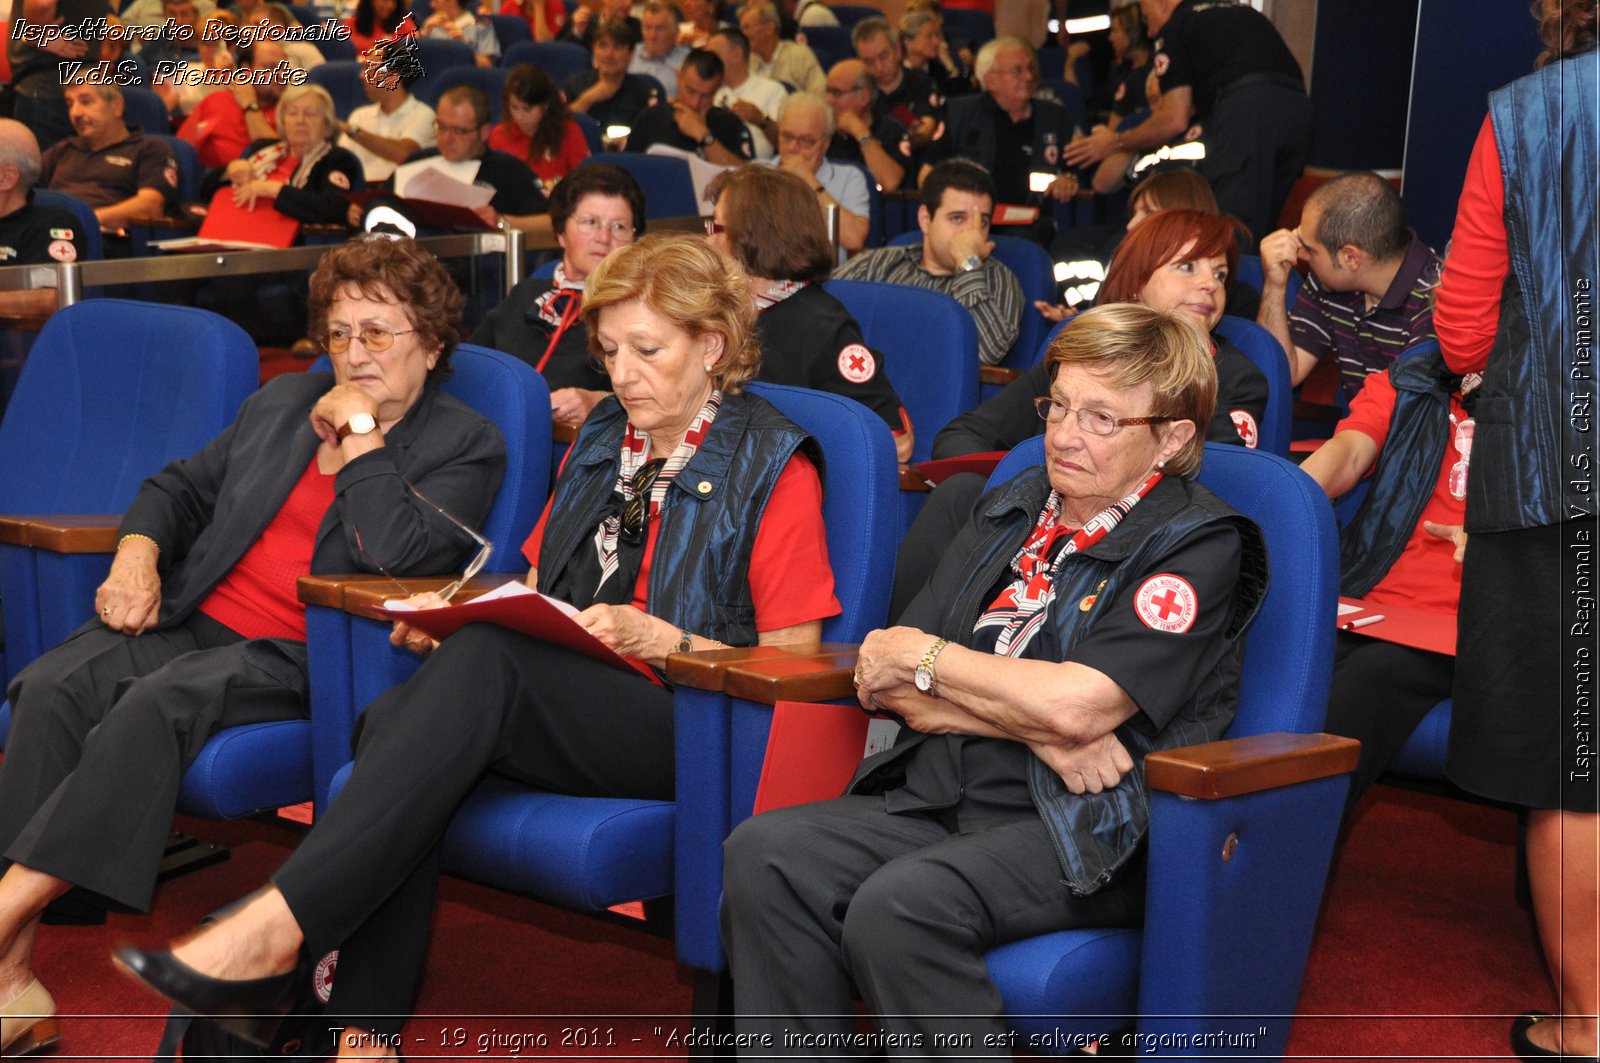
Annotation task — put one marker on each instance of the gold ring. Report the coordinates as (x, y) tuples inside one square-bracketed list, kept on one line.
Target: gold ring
[(106, 611), (855, 678)]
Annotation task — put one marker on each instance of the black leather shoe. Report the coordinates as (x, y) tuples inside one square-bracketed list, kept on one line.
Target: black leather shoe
[(253, 1008), (1525, 1049)]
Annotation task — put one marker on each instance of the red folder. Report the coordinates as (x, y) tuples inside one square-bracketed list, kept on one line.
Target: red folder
[(1417, 628), (264, 225), (939, 470), (812, 751), (530, 614)]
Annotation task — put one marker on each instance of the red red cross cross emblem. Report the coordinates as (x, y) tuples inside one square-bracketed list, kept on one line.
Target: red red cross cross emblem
[(856, 364), (1166, 603)]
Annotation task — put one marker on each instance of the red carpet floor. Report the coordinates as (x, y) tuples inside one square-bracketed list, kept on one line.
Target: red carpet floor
[(1422, 953)]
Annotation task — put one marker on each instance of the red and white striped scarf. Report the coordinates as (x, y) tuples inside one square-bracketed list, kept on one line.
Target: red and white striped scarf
[(635, 452), (1020, 610)]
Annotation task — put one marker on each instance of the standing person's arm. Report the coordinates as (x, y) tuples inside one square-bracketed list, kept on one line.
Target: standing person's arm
[(1466, 308)]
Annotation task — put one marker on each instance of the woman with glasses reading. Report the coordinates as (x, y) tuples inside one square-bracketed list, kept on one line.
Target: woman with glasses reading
[(198, 626), (1089, 612), (687, 516), (594, 210)]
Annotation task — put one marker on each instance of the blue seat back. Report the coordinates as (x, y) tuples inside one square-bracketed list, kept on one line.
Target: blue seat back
[(965, 24), (1249, 271), (335, 50), (1036, 273), (93, 245), (591, 130), (342, 79), (489, 80), (929, 345), (849, 14), (436, 54), (858, 502), (559, 59), (1289, 651), (830, 44), (669, 191), (1263, 349), (143, 108), (510, 31)]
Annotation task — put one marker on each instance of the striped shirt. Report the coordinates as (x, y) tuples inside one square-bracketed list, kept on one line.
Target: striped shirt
[(1367, 341), (991, 293)]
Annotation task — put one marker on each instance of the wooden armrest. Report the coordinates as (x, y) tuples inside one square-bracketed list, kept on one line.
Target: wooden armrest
[(997, 374), (563, 433), (329, 590), (1247, 765), (708, 669), (63, 533), (32, 322), (366, 597), (912, 480), (825, 677)]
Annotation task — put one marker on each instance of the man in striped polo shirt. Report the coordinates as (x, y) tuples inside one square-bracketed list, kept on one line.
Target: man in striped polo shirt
[(1369, 295)]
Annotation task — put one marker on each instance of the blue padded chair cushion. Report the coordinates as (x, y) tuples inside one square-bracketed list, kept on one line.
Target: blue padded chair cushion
[(1423, 753), (248, 769), (1039, 973), (587, 853)]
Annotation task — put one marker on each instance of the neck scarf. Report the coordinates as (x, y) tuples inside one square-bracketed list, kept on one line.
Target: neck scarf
[(777, 293), (1020, 609), (558, 309), (635, 453)]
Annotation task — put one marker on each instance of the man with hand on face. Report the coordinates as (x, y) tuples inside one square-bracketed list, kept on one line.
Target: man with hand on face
[(882, 145), (691, 123), (755, 99), (116, 171), (223, 124), (909, 95), (954, 256), (1369, 295), (608, 93), (805, 128)]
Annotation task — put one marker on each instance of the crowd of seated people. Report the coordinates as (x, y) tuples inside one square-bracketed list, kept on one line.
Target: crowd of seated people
[(647, 343)]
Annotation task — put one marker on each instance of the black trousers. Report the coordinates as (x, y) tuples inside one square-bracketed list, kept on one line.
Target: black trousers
[(1380, 692), (488, 699), (820, 897), (1257, 138), (103, 728)]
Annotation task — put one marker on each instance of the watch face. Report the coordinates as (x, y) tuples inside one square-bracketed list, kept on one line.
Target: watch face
[(362, 423), (923, 679)]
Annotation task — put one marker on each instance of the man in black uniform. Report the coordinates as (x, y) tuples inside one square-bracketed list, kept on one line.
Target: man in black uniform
[(608, 93), (861, 136), (691, 123), (118, 172), (30, 234), (910, 96), (1224, 64), (1012, 135)]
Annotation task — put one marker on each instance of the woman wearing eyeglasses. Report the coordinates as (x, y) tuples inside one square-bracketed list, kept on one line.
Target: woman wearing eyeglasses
[(687, 516), (198, 626), (594, 210), (1089, 612)]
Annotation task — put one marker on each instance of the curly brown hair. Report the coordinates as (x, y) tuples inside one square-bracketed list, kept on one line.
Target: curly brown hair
[(391, 270), (1567, 28), (687, 284)]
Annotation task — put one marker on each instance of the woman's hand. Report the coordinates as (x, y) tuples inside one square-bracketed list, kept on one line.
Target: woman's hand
[(1088, 768), (248, 194), (334, 410), (630, 632), (239, 173), (1051, 311), (407, 637), (888, 660), (129, 600), (572, 405), (1451, 533)]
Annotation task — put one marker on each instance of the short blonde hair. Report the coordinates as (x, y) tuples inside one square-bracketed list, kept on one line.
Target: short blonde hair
[(330, 120), (683, 280), (1130, 345)]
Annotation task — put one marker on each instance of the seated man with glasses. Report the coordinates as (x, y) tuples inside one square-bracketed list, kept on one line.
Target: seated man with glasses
[(594, 209), (805, 129), (880, 143), (463, 152), (198, 626)]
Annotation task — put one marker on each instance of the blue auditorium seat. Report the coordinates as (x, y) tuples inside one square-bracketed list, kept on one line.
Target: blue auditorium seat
[(559, 59), (1266, 353), (666, 180), (490, 80)]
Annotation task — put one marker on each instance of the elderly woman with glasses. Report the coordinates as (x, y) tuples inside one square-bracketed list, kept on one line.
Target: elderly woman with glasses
[(594, 210), (198, 626), (687, 516), (1090, 612)]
